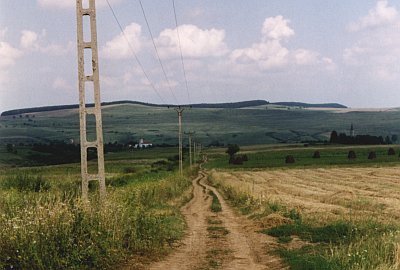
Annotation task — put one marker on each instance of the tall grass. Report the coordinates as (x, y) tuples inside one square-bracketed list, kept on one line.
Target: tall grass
[(55, 230)]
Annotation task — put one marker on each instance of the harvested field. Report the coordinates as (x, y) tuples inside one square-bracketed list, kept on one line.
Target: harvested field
[(324, 193)]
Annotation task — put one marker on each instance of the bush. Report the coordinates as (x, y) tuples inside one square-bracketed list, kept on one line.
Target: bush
[(351, 155), (245, 158), (391, 152), (317, 154), (26, 182), (372, 155), (289, 159), (129, 170)]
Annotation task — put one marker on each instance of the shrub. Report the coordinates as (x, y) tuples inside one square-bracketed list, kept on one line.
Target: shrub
[(238, 160), (129, 170), (245, 158), (351, 155), (289, 159), (391, 152), (316, 154), (372, 155)]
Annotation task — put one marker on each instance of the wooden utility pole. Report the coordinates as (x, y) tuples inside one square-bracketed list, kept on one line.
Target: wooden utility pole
[(190, 146), (86, 78), (180, 110)]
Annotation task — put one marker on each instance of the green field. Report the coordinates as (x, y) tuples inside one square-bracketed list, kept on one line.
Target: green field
[(246, 126), (274, 157)]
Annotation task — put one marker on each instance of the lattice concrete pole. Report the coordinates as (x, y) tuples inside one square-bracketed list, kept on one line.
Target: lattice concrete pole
[(194, 151), (180, 111), (190, 147), (93, 78)]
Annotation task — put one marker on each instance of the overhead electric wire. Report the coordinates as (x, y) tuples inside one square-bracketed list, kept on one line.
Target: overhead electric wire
[(134, 53), (180, 49), (158, 55)]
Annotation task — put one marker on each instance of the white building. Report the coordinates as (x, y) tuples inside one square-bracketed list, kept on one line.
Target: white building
[(143, 144)]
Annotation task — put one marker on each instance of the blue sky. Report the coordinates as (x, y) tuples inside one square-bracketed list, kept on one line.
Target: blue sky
[(310, 51)]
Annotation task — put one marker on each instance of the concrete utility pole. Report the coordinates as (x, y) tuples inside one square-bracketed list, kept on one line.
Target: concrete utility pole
[(190, 146), (194, 151), (180, 110), (89, 78)]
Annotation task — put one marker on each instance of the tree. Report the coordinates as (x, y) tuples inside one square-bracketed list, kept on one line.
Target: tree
[(334, 137), (231, 151), (394, 138)]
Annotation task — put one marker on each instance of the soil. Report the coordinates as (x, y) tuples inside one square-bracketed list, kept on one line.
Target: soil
[(219, 240)]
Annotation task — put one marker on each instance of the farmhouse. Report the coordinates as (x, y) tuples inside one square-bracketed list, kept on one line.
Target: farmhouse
[(143, 144)]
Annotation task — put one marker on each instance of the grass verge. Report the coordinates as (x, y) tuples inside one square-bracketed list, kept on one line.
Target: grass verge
[(55, 230)]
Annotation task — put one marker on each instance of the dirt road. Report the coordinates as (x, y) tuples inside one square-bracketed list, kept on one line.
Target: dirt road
[(221, 240)]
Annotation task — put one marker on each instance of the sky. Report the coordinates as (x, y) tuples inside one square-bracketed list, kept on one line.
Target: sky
[(279, 50)]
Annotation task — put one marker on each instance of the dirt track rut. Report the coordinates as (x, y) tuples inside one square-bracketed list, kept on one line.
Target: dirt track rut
[(220, 240)]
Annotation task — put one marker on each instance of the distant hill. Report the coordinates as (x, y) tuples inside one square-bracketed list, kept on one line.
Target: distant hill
[(229, 105), (308, 105), (247, 124)]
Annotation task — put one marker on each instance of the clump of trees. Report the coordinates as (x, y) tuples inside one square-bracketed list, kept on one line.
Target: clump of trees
[(342, 138)]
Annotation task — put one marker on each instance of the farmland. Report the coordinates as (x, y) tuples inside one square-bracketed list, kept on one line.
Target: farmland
[(340, 216), (246, 126), (331, 211)]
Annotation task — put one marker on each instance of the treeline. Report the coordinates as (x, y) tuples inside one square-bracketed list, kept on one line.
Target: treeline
[(342, 138)]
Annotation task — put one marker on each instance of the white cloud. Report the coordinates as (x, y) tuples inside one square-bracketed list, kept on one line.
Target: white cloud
[(58, 49), (270, 53), (29, 40), (61, 84), (8, 54), (276, 28), (376, 52), (195, 42), (119, 48), (70, 4), (382, 14)]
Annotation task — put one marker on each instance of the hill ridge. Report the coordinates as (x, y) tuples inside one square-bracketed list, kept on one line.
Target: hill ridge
[(222, 105)]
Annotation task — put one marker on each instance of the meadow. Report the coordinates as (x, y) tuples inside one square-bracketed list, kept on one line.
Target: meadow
[(45, 225)]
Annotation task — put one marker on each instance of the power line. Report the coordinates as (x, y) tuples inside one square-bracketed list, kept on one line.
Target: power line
[(133, 51), (158, 56), (180, 49)]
